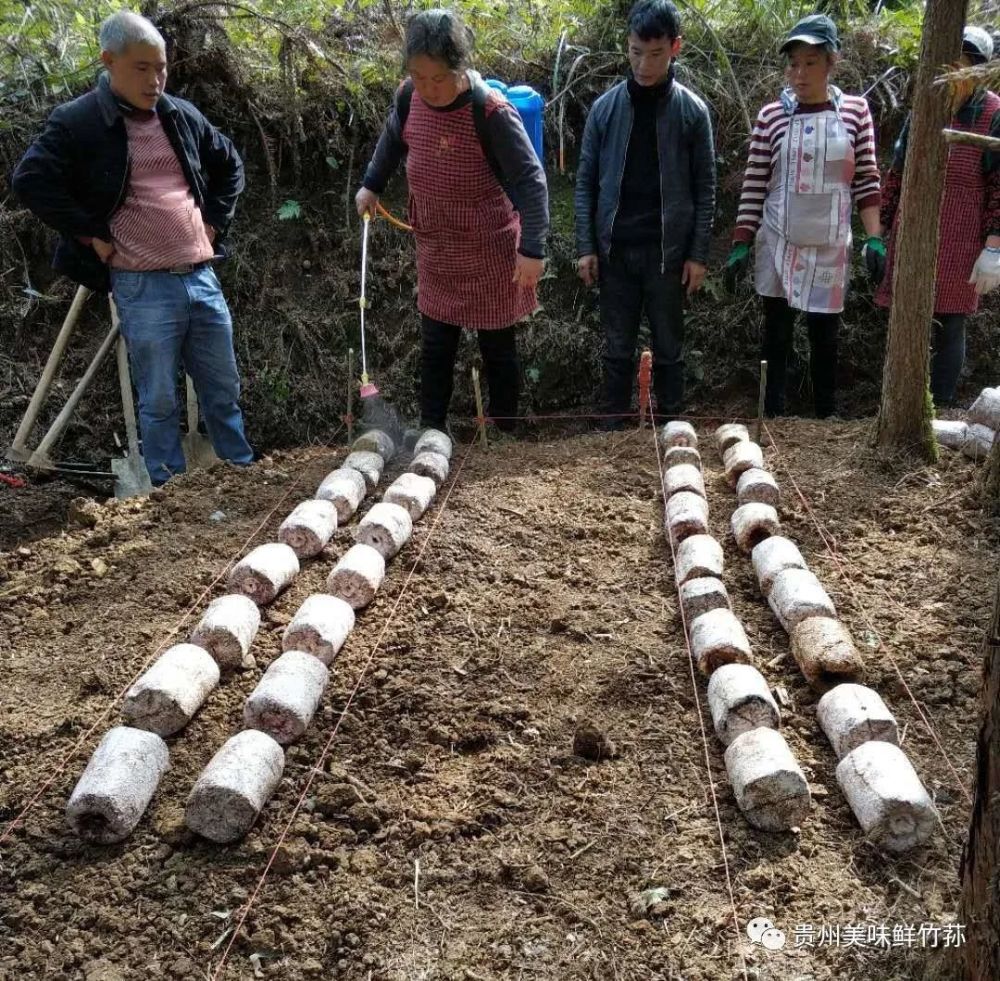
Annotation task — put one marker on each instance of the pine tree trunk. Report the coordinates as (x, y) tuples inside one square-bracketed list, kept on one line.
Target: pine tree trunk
[(980, 868), (991, 479), (904, 419)]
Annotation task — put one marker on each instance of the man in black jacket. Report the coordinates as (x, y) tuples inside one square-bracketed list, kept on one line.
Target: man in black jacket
[(142, 188), (645, 196)]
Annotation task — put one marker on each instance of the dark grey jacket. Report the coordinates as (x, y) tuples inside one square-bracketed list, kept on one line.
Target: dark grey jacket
[(687, 174)]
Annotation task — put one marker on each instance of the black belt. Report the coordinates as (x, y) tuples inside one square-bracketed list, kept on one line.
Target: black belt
[(185, 268)]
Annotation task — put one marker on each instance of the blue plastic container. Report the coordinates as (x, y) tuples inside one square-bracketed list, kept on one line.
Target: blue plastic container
[(529, 105), (495, 83)]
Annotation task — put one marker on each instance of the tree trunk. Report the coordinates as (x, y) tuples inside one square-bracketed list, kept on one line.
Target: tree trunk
[(980, 869), (904, 419), (991, 479)]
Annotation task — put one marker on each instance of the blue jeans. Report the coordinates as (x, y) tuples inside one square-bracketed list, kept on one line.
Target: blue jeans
[(168, 321)]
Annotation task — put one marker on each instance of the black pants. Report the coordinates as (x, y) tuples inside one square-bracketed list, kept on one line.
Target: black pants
[(439, 348), (779, 332), (631, 283), (947, 356)]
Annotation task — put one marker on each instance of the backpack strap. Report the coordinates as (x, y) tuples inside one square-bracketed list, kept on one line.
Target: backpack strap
[(404, 96), (480, 92)]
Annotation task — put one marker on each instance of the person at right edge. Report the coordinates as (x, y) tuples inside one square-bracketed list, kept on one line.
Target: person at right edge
[(645, 197), (812, 153), (968, 262)]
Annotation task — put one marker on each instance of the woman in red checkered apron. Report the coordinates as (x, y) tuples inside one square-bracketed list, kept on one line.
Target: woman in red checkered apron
[(969, 237), (478, 258)]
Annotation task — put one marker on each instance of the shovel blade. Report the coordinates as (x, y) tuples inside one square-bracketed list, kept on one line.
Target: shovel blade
[(131, 477)]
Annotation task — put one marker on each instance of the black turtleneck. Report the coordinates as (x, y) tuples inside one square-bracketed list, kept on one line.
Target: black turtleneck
[(638, 221)]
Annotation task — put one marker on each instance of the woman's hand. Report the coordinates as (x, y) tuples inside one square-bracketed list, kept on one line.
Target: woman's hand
[(527, 271), (366, 202)]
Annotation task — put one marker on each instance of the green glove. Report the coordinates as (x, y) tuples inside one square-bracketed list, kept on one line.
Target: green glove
[(873, 254), (736, 265)]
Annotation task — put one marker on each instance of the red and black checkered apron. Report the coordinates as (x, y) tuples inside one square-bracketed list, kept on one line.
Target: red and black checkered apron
[(466, 229), (960, 239)]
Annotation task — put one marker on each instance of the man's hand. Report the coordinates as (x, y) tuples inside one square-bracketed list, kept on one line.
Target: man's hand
[(211, 232), (587, 269), (527, 271), (104, 250), (366, 202), (693, 276)]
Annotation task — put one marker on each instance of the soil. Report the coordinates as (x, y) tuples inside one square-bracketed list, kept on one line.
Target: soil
[(519, 789)]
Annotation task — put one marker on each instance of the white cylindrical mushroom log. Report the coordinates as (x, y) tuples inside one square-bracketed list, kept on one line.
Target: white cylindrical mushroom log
[(741, 457), (117, 785), (678, 433), (951, 432), (825, 653), (684, 478), (740, 701), (686, 515), (769, 785), (386, 527), (309, 527), (718, 638), (774, 555), (345, 489), (357, 576), (886, 796), (698, 596), (321, 626), (985, 411), (679, 455), (432, 465), (698, 556), (227, 629), (375, 441), (853, 714), (233, 789), (265, 572), (728, 434), (754, 523), (286, 698), (757, 486), (411, 491), (166, 697), (978, 442), (433, 441), (368, 464), (797, 595)]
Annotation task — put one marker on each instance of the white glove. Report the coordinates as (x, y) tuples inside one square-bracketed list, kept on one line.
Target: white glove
[(986, 272)]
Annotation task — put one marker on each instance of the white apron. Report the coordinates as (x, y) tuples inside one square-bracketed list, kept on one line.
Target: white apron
[(803, 243)]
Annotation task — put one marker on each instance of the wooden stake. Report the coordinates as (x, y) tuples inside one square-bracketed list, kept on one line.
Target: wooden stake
[(480, 418), (760, 400), (349, 418)]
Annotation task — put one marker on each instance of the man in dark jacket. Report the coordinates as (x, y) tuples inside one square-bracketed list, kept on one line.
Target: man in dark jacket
[(645, 195), (141, 188)]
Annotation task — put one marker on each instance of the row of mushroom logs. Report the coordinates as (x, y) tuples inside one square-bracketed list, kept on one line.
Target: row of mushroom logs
[(878, 781), (122, 775), (768, 783)]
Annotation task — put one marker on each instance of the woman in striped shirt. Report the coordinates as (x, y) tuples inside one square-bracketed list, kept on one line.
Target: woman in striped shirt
[(812, 154)]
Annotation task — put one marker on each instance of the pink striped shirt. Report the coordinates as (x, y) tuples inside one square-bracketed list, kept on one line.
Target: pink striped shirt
[(158, 225), (766, 145)]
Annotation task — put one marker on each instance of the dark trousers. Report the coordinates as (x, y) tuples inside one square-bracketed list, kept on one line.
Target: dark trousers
[(631, 284), (779, 332), (947, 356), (439, 348)]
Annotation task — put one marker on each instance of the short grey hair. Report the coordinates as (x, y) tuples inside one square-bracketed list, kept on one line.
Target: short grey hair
[(125, 28)]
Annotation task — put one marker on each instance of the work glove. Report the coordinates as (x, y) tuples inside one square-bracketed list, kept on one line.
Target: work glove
[(873, 253), (986, 272), (736, 265)]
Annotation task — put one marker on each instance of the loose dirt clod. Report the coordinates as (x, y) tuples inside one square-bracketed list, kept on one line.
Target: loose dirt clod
[(753, 524), (431, 464), (386, 528), (433, 441), (853, 714), (286, 698), (741, 457), (718, 638), (696, 557), (698, 596), (886, 796), (686, 515), (321, 626), (678, 433), (774, 555), (825, 653), (728, 434), (166, 697), (770, 788), (796, 595), (757, 486), (265, 572), (345, 488), (234, 787), (309, 527), (678, 455), (368, 464), (375, 441), (227, 629), (740, 700), (117, 785), (413, 492), (684, 477), (357, 576), (592, 743)]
